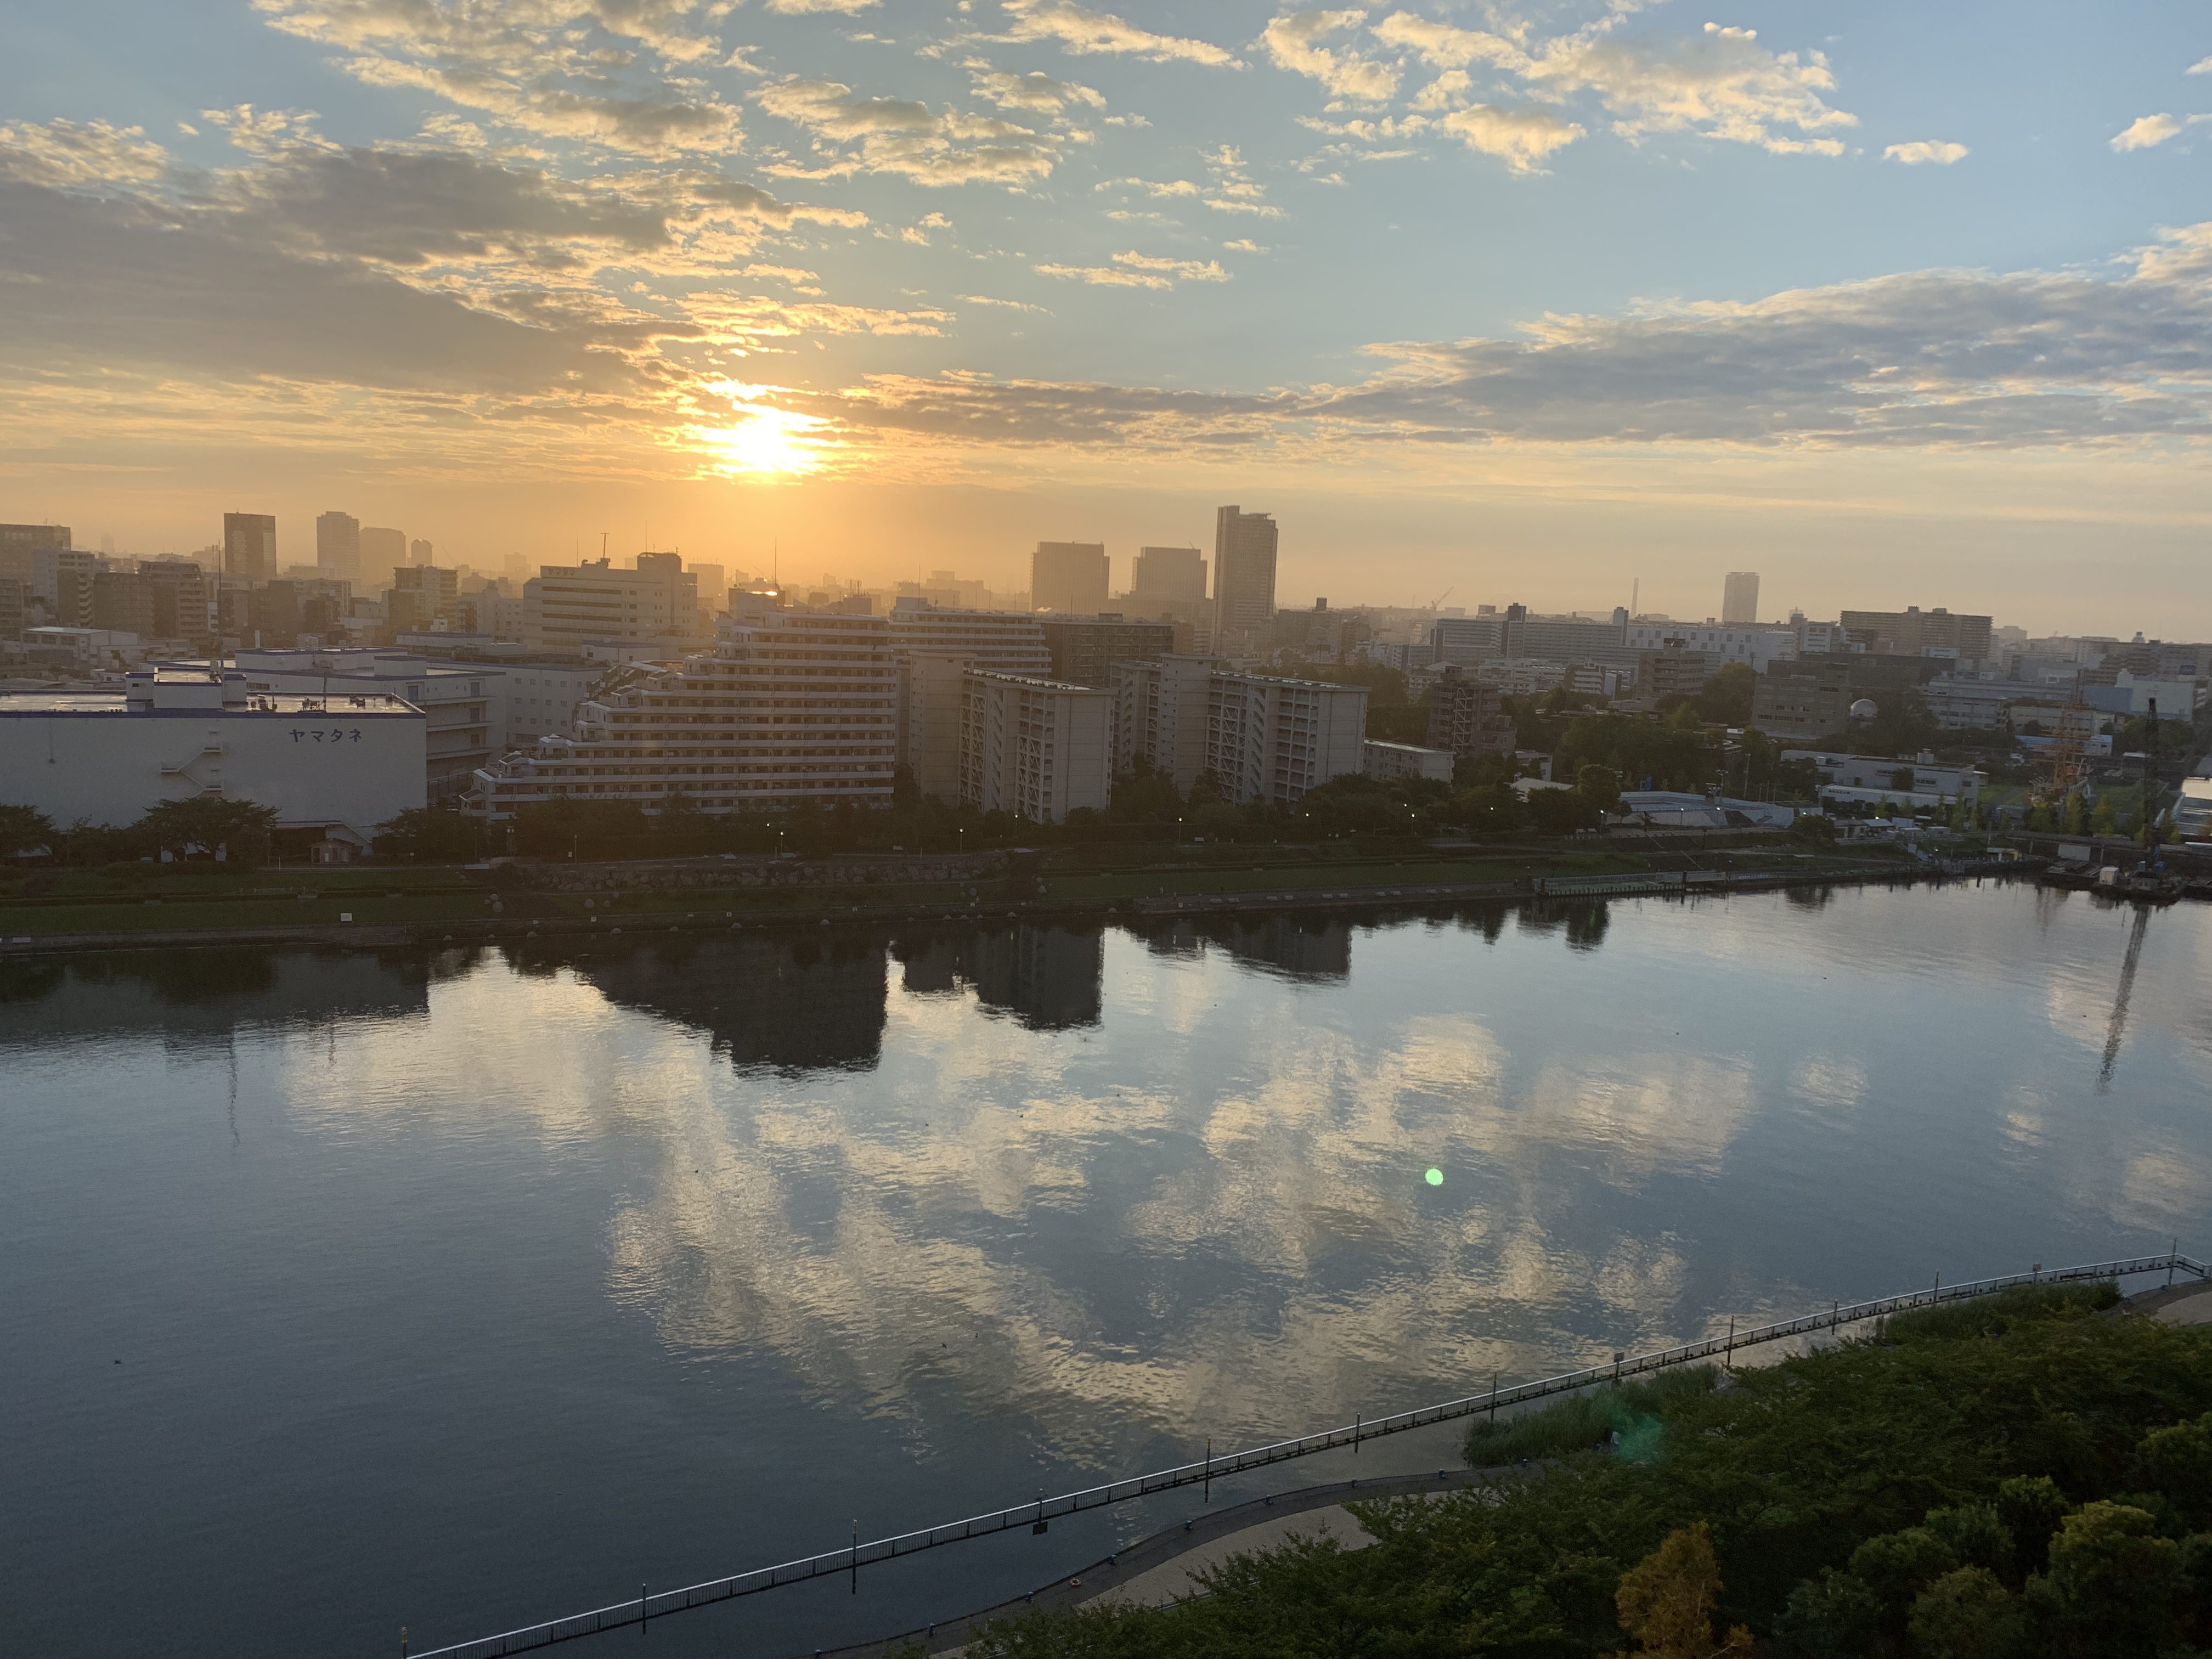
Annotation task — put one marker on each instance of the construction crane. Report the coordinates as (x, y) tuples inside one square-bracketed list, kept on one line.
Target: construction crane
[(1437, 602)]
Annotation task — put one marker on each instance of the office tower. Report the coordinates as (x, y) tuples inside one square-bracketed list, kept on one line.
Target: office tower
[(1243, 579), (20, 542), (1740, 597), (15, 601), (1168, 573), (565, 605), (249, 546), (420, 596), (382, 552), (338, 545), (1069, 577), (419, 552), (713, 583)]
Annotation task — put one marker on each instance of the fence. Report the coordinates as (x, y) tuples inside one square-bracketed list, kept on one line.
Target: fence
[(853, 1558)]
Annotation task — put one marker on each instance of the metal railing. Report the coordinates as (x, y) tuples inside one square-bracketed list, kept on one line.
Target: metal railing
[(850, 1559)]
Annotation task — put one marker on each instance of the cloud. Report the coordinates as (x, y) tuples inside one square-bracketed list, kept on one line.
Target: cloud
[(1134, 269), (2202, 66), (1293, 41), (1720, 83), (1079, 30), (562, 69), (1924, 360), (1521, 139), (1038, 92), (901, 136), (2148, 131), (1244, 246), (790, 8), (62, 155), (1925, 152)]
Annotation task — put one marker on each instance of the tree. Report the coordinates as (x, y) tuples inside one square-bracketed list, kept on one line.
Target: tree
[(1903, 780), (2112, 1580), (208, 824), (1814, 829), (1600, 786), (1726, 698), (1665, 1601), (2104, 819), (25, 829), (1965, 1614), (430, 835), (1562, 811), (566, 824)]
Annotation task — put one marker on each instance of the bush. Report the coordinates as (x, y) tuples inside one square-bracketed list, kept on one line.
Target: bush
[(1634, 1410), (1993, 1316)]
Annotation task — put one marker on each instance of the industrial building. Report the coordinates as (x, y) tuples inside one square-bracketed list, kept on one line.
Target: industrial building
[(338, 765)]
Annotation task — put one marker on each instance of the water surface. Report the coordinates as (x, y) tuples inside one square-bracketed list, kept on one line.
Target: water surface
[(345, 1291)]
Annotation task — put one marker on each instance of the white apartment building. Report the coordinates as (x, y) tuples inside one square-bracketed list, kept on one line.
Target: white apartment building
[(1003, 642), (463, 704), (931, 709), (1270, 739), (1037, 748), (564, 606), (1755, 645), (340, 764), (1405, 760), (1159, 714), (790, 706)]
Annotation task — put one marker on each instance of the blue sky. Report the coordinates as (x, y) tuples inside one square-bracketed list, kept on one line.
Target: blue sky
[(1877, 297)]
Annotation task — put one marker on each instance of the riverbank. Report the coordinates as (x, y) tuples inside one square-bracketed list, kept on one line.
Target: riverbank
[(383, 909)]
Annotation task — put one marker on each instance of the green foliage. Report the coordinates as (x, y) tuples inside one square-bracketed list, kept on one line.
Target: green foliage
[(1993, 1316), (1600, 786), (566, 824), (1884, 1497), (1672, 757), (1966, 1614), (1725, 699), (1562, 811), (430, 835), (2178, 1461), (25, 829), (1814, 828), (1635, 1410), (199, 824)]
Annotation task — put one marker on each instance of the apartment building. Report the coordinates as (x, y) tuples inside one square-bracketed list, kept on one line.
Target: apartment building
[(1038, 748), (1003, 642), (1272, 740), (1084, 649), (1159, 714), (1466, 716), (789, 708)]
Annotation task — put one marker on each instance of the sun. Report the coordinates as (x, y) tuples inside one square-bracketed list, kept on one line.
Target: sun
[(767, 440)]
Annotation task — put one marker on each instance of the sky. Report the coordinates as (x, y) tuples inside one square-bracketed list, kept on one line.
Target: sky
[(1893, 303)]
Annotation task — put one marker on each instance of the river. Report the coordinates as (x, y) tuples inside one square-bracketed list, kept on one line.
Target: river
[(341, 1292)]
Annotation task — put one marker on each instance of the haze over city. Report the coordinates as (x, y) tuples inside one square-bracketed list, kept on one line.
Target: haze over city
[(1898, 306)]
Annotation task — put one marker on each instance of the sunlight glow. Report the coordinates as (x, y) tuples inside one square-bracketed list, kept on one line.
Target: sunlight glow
[(765, 439)]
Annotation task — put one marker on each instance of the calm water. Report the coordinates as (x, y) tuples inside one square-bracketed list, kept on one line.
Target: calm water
[(457, 1291)]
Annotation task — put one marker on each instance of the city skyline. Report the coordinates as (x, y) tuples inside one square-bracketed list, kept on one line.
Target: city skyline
[(1556, 299)]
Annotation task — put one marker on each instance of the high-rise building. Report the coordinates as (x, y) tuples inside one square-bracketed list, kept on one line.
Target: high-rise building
[(1263, 739), (1740, 598), (1005, 642), (566, 606), (338, 545), (1913, 632), (19, 542), (1244, 580), (1168, 573), (1069, 577), (14, 602), (1086, 649), (1466, 715), (249, 546), (789, 708), (1038, 748), (421, 595), (419, 552), (382, 552)]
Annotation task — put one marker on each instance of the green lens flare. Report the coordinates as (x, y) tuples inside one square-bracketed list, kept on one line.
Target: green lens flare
[(1436, 1177)]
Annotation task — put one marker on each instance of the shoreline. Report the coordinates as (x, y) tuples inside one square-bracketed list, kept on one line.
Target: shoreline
[(1568, 886)]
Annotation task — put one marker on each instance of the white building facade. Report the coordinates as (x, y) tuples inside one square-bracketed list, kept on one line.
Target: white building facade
[(1001, 641), (565, 606), (340, 764), (463, 704), (1405, 760), (790, 708), (1272, 740), (1039, 748), (1754, 646)]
